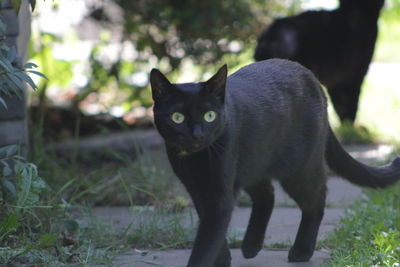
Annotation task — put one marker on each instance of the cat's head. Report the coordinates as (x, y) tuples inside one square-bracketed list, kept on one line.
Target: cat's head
[(189, 116), (371, 6)]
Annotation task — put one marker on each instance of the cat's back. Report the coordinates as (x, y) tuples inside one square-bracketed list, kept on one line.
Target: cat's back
[(273, 91), (273, 106), (273, 78)]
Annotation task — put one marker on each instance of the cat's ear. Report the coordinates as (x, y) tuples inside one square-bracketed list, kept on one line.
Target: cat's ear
[(159, 84), (216, 84)]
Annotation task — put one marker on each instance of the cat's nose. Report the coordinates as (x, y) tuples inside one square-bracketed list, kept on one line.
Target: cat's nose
[(198, 134)]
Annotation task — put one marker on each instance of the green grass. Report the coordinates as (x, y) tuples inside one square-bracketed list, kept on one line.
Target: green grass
[(59, 230), (369, 235), (162, 230)]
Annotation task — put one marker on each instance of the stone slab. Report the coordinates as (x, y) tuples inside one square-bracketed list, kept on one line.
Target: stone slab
[(13, 132), (10, 19), (15, 108), (282, 227), (6, 4), (284, 222), (340, 193), (178, 258)]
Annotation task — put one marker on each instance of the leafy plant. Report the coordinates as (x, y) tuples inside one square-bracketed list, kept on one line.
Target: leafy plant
[(21, 187), (13, 74)]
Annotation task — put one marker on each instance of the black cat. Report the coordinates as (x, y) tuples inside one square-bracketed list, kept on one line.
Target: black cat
[(336, 45), (266, 121)]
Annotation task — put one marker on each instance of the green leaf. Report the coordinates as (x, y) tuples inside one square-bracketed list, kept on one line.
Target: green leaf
[(2, 27), (47, 240), (30, 65), (15, 83), (71, 225), (33, 4), (8, 225), (8, 151), (25, 77), (38, 74), (3, 102), (6, 64), (29, 184), (7, 171), (10, 186)]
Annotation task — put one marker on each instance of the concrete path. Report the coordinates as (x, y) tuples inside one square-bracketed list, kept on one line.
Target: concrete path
[(281, 229), (178, 258)]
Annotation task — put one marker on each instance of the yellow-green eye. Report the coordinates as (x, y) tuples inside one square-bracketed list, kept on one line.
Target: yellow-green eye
[(210, 116), (177, 117)]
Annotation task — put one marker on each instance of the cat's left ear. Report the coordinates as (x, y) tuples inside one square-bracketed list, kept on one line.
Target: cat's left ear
[(159, 84), (216, 84)]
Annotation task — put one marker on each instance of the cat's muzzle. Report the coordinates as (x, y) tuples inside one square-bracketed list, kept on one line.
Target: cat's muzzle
[(191, 149)]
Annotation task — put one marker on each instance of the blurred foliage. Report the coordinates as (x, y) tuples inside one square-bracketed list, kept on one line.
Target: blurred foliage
[(200, 30), (392, 10), (389, 33), (43, 55), (170, 35), (188, 40)]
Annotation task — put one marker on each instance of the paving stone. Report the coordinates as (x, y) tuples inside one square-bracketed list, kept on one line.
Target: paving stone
[(178, 258), (282, 227), (340, 193)]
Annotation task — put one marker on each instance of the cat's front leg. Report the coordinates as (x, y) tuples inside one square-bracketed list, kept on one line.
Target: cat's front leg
[(210, 246)]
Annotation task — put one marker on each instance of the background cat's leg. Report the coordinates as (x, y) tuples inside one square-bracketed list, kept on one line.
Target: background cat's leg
[(262, 196), (309, 193), (345, 99)]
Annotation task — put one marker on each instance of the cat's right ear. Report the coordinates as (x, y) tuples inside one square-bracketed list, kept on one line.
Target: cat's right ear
[(159, 84)]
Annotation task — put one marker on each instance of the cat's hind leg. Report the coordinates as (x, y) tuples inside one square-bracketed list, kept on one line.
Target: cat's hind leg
[(309, 193), (262, 196)]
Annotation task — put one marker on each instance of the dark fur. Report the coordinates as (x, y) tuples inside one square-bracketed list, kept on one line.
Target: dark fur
[(336, 45), (271, 124)]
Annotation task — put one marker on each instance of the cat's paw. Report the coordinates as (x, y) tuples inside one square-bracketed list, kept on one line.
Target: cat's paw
[(250, 252), (223, 263), (224, 259), (300, 255)]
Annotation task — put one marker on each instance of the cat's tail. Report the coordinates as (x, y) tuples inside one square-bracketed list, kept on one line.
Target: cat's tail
[(356, 172)]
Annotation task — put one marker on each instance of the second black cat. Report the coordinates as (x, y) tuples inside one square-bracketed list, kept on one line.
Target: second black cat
[(266, 121), (336, 45)]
